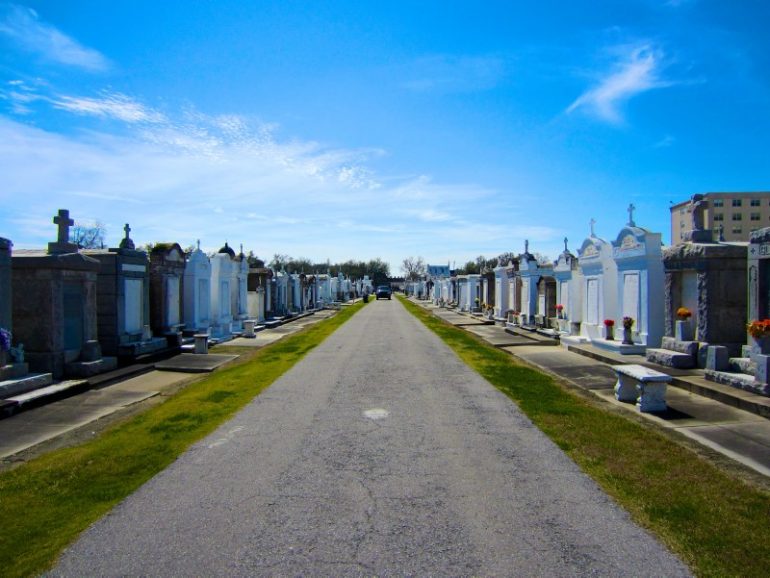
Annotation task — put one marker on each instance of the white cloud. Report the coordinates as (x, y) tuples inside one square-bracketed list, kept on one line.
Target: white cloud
[(23, 26), (111, 105), (637, 72)]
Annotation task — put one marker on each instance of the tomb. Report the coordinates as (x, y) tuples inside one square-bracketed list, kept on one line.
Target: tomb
[(55, 308), (569, 287), (708, 279), (167, 269), (598, 291), (324, 290), (197, 292), (257, 281), (221, 308), (528, 274), (751, 370), (123, 304), (281, 293), (502, 293), (239, 290), (637, 254)]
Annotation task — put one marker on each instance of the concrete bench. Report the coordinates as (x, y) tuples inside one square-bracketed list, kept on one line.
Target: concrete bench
[(643, 385)]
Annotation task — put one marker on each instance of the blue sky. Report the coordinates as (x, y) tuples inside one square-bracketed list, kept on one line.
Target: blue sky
[(339, 130)]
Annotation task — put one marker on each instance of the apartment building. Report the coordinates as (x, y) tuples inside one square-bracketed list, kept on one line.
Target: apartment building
[(738, 214)]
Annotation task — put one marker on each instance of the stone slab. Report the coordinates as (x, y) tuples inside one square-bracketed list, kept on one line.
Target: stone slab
[(24, 384), (496, 336), (669, 358), (192, 363), (48, 391)]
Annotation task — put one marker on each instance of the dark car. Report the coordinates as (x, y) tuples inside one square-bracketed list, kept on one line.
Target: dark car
[(383, 291)]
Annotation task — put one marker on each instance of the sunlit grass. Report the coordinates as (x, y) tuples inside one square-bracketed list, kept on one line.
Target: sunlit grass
[(715, 522), (49, 501)]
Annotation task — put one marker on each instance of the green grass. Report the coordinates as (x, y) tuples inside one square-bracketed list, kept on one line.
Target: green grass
[(714, 521), (47, 502)]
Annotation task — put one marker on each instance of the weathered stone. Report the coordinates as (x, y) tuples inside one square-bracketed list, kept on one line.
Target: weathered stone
[(717, 358), (669, 358)]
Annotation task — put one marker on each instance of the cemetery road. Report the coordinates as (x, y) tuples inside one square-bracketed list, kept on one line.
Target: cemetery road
[(380, 453)]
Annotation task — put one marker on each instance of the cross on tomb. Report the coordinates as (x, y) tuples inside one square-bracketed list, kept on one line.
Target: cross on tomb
[(199, 244), (592, 222), (565, 245), (526, 245), (631, 209), (64, 222), (127, 229)]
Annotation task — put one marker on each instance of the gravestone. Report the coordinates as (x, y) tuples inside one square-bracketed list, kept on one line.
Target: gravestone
[(502, 292), (123, 301), (257, 281), (281, 293), (167, 268), (11, 368), (55, 307), (197, 292), (239, 290), (529, 274)]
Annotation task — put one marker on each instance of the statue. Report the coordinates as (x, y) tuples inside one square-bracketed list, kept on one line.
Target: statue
[(697, 207)]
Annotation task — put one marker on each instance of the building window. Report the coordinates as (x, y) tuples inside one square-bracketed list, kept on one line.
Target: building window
[(754, 202), (737, 217), (737, 202), (737, 230), (719, 217), (718, 203), (755, 217), (681, 211)]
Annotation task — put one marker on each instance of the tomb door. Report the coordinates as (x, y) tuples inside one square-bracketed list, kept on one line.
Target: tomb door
[(631, 298), (689, 295), (72, 304), (764, 289), (134, 305), (203, 300), (224, 298), (541, 302), (550, 297), (592, 301), (172, 301)]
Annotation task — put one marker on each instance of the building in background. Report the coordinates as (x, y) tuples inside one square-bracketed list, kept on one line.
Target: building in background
[(736, 215)]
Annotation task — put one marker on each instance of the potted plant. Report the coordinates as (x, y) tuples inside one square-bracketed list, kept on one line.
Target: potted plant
[(759, 329), (609, 325), (628, 323), (683, 326)]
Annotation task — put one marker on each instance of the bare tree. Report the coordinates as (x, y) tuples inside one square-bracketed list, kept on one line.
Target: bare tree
[(89, 235), (413, 268)]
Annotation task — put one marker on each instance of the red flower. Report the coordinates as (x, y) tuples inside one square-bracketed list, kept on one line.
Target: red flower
[(609, 322)]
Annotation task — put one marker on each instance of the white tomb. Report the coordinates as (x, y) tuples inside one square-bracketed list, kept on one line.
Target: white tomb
[(222, 265), (568, 292), (197, 292)]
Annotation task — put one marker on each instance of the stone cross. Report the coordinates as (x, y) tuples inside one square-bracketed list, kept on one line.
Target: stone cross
[(199, 244), (630, 210), (64, 222), (592, 222), (526, 245), (127, 229), (565, 245)]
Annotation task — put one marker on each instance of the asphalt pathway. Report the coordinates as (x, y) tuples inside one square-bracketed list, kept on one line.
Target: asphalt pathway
[(380, 453)]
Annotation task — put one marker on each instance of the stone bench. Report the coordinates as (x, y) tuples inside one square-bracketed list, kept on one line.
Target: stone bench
[(643, 385)]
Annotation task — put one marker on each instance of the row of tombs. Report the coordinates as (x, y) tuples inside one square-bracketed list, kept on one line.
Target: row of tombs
[(71, 312), (701, 304)]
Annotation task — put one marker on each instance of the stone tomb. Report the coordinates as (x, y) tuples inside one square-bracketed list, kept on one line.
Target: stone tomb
[(123, 304), (55, 309), (637, 254), (568, 292), (167, 267), (221, 308), (197, 292), (257, 281), (529, 275), (239, 291), (750, 371)]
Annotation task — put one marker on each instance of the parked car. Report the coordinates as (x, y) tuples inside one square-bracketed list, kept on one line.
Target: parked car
[(383, 291)]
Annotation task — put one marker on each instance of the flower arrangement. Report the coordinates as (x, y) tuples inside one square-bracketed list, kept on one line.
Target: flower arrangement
[(560, 308), (759, 328), (609, 323), (5, 339), (683, 313), (628, 322)]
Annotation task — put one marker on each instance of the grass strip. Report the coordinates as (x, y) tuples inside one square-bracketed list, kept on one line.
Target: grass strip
[(715, 522), (47, 502)]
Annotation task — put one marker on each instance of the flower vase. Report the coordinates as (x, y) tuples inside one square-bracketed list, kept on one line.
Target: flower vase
[(628, 338), (610, 332), (683, 330), (760, 345)]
